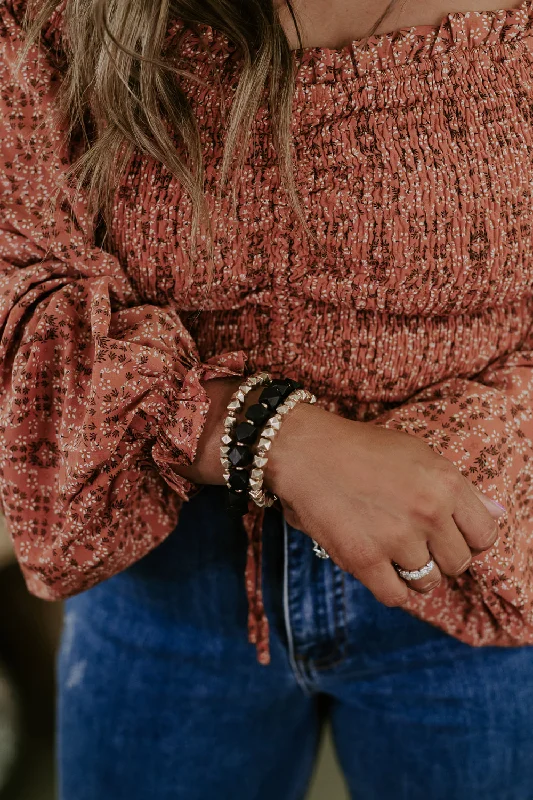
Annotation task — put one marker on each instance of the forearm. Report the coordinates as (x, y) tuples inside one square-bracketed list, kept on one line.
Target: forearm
[(207, 468)]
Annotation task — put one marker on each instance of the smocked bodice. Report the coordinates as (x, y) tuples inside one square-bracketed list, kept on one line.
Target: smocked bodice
[(414, 164)]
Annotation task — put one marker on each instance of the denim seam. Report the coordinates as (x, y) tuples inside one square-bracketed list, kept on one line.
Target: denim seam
[(292, 657), (323, 664), (340, 618), (335, 658)]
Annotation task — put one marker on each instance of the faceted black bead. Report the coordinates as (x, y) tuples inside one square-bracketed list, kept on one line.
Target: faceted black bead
[(237, 503), (282, 388), (294, 384), (246, 433), (271, 396), (239, 478), (240, 455), (285, 386), (258, 414)]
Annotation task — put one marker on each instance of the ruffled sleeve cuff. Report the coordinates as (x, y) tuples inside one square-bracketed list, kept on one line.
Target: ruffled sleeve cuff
[(182, 421)]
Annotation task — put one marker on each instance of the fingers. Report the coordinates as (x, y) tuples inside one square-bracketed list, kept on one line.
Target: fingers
[(449, 548), (480, 552), (414, 557), (474, 521), (385, 584)]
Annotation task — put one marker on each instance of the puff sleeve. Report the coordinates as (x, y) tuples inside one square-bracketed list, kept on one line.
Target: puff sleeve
[(101, 398), (484, 426)]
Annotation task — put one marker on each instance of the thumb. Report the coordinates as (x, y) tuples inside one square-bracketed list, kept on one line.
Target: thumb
[(495, 508)]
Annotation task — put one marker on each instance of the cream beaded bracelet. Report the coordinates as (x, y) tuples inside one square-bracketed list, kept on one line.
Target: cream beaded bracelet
[(257, 493), (234, 406)]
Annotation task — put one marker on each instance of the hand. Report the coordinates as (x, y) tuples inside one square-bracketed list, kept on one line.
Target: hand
[(371, 496)]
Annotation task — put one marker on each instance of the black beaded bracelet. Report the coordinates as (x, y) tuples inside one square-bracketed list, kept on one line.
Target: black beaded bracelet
[(245, 435)]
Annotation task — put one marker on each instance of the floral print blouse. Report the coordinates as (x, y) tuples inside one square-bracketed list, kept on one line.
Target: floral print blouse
[(414, 159)]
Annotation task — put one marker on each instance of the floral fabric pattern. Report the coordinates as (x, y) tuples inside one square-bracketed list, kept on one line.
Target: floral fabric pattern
[(412, 310)]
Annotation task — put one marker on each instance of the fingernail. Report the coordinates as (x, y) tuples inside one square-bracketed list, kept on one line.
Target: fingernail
[(494, 503), (499, 504)]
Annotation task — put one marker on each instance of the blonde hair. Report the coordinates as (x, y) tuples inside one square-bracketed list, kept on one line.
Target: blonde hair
[(117, 86)]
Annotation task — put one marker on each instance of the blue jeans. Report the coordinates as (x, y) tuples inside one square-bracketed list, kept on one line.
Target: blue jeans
[(161, 696)]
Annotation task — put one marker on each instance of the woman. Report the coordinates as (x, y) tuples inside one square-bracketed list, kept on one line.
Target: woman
[(274, 189)]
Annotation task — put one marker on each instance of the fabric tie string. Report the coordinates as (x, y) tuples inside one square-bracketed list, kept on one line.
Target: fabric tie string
[(258, 628)]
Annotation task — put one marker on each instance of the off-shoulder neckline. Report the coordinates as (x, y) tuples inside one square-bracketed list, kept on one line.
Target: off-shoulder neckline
[(404, 47), (459, 34), (407, 47), (525, 7)]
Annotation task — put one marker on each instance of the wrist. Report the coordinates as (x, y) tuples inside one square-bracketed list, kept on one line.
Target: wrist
[(294, 439), (206, 467), (290, 447)]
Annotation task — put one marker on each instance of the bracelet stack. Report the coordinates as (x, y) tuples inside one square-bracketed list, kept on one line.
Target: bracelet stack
[(258, 495), (263, 417), (235, 456)]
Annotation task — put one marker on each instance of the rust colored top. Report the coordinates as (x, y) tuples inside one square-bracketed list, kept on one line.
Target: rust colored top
[(414, 159)]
